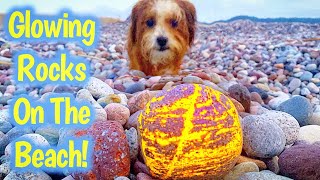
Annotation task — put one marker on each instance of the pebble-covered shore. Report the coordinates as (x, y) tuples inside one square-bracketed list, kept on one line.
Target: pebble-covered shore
[(271, 74)]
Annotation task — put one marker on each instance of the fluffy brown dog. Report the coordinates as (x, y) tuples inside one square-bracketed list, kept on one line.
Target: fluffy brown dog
[(160, 34)]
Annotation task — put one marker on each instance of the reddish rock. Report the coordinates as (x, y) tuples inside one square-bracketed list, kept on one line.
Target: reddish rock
[(279, 66), (202, 75), (139, 101), (259, 163), (117, 112), (238, 105), (256, 97), (157, 86), (111, 156), (241, 94), (273, 76)]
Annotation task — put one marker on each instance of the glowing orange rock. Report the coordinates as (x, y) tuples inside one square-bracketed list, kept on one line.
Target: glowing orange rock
[(190, 131)]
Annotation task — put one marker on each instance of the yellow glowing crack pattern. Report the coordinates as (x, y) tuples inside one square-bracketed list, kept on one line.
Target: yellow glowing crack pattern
[(211, 150)]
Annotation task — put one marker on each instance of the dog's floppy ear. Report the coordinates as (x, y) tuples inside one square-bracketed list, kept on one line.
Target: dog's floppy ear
[(134, 20), (190, 12)]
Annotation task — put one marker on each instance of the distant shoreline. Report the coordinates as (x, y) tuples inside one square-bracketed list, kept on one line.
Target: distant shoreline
[(270, 20)]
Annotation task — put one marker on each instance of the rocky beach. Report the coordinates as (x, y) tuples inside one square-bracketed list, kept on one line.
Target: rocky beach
[(270, 71)]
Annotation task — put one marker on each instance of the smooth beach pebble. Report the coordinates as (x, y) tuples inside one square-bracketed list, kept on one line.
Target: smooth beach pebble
[(192, 80), (85, 95), (275, 103), (5, 126), (299, 107), (117, 112), (98, 88), (315, 119), (132, 137), (50, 133), (16, 132), (143, 176), (286, 122), (121, 178), (241, 169), (135, 87), (123, 99), (241, 94), (5, 168), (4, 115), (112, 98), (26, 176), (36, 139), (259, 163), (309, 134), (139, 101), (133, 120), (4, 141), (263, 175), (262, 138), (273, 164)]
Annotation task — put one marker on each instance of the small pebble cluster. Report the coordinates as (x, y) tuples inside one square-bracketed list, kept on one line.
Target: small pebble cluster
[(271, 75)]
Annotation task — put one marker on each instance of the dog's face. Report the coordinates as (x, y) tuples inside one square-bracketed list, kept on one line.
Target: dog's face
[(164, 29)]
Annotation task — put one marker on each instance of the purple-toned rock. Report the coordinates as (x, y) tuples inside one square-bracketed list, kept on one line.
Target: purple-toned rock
[(133, 120), (241, 94), (143, 176), (301, 162), (139, 167)]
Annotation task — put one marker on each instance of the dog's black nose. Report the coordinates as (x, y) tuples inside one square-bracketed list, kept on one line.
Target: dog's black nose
[(162, 41)]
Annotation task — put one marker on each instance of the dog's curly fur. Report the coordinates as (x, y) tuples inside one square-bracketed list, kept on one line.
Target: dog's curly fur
[(150, 19)]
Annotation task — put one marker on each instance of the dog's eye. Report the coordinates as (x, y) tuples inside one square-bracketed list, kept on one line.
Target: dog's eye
[(174, 23), (150, 22)]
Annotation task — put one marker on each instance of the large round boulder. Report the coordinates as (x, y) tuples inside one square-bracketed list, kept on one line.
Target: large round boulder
[(190, 131)]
